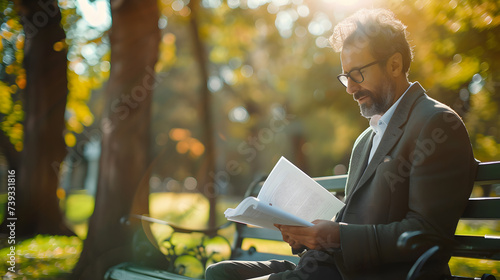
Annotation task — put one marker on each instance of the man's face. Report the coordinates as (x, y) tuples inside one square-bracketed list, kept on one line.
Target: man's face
[(375, 94)]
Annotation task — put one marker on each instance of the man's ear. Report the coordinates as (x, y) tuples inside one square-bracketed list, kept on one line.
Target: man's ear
[(395, 65)]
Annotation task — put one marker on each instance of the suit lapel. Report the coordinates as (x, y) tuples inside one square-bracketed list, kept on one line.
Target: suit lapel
[(392, 133)]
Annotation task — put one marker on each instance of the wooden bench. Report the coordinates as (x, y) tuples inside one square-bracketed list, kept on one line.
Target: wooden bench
[(479, 247), (487, 248)]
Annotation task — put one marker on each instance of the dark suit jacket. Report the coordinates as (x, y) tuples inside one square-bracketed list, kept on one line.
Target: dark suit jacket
[(420, 178)]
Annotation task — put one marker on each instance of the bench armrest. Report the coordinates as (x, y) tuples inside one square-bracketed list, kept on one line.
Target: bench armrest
[(413, 241)]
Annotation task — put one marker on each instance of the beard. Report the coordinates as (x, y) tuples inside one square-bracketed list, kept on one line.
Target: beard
[(381, 99)]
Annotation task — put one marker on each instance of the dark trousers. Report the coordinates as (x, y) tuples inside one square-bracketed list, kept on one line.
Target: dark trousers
[(313, 265)]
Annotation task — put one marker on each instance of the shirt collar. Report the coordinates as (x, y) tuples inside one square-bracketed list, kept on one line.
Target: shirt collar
[(379, 123)]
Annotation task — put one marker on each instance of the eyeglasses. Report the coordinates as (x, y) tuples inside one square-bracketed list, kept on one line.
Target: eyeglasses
[(355, 74)]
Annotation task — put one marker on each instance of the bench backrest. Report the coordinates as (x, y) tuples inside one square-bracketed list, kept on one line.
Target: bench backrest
[(484, 208), (477, 208)]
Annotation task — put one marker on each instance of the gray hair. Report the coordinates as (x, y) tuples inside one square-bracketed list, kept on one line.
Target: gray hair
[(384, 34)]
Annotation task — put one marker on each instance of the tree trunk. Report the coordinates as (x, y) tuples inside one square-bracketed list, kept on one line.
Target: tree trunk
[(9, 151), (207, 127), (45, 95), (123, 184)]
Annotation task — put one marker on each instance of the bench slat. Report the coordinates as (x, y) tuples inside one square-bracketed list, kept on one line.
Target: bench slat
[(479, 247), (488, 173), (485, 208), (333, 183)]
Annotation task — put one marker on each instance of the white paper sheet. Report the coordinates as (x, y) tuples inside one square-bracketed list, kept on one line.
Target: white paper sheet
[(289, 197)]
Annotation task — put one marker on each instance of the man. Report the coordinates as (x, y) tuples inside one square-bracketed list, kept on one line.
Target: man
[(412, 169)]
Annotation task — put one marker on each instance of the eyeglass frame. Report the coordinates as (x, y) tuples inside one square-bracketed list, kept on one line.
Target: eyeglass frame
[(348, 74)]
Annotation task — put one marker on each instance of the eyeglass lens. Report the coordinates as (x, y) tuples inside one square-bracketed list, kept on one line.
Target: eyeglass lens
[(355, 75)]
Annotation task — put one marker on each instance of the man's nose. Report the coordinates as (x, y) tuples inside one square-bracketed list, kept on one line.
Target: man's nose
[(352, 86)]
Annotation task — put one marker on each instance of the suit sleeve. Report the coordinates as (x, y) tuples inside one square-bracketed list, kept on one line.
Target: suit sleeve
[(439, 184)]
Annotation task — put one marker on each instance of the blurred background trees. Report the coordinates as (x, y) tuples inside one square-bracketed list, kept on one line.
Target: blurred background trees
[(238, 83)]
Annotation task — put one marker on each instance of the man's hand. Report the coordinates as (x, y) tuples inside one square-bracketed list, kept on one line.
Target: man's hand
[(323, 234)]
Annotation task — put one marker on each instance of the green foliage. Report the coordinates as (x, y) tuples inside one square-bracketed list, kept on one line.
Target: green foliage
[(478, 228), (12, 74), (190, 254), (85, 73), (42, 257), (79, 207), (456, 44), (88, 67), (473, 267)]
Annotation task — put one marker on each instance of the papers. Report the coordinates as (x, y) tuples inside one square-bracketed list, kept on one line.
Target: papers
[(289, 197)]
